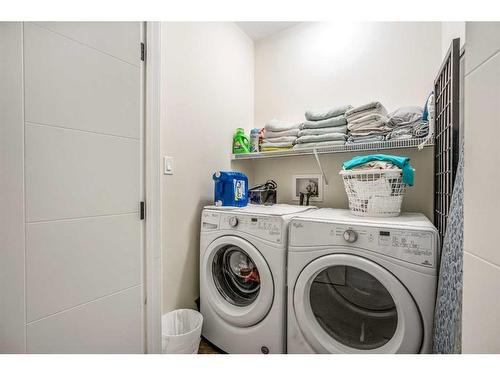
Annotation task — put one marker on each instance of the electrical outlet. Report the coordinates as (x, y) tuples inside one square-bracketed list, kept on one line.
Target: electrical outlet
[(308, 183)]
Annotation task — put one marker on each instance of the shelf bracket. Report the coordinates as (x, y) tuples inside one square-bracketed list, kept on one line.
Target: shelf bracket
[(319, 165)]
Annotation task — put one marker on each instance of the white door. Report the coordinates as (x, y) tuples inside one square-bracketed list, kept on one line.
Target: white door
[(348, 304), (83, 138), (239, 282)]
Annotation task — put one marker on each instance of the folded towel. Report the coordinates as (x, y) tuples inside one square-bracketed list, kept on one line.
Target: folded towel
[(276, 144), (365, 139), (366, 113), (376, 127), (369, 107), (367, 120), (326, 113), (322, 138), (336, 129), (405, 116), (421, 129), (412, 130), (328, 123), (369, 132), (318, 145), (364, 110), (284, 133), (280, 139), (401, 132), (370, 124), (366, 131), (279, 126), (400, 136), (266, 149)]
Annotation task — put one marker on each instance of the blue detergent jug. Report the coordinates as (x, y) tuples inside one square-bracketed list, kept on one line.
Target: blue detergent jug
[(231, 189)]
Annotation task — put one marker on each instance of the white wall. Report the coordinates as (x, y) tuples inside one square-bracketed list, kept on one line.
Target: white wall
[(321, 64), (207, 92), (450, 31), (481, 305)]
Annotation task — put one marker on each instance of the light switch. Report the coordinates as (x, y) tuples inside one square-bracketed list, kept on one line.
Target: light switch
[(168, 165)]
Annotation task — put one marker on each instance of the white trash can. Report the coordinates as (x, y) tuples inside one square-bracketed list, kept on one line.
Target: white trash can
[(181, 331)]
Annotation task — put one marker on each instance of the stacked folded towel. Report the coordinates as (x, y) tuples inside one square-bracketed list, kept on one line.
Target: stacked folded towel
[(421, 129), (366, 139), (407, 123), (323, 128), (325, 113), (367, 123), (279, 135)]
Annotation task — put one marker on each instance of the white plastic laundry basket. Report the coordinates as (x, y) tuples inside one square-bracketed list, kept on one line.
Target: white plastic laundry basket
[(181, 331), (374, 192)]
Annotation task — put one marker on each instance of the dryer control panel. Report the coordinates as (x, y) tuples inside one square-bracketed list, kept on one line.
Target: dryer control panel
[(413, 246), (265, 227)]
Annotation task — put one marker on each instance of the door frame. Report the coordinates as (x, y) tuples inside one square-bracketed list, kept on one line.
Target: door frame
[(152, 245)]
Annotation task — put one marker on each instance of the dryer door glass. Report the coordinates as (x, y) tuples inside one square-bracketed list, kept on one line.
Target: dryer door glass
[(236, 276), (353, 307)]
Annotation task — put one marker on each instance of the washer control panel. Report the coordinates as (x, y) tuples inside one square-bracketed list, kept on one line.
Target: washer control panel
[(413, 246), (265, 227)]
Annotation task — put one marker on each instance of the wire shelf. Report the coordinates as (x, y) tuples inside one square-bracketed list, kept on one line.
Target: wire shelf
[(372, 146)]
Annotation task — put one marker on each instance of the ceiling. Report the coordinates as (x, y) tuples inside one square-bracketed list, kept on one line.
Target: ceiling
[(259, 30)]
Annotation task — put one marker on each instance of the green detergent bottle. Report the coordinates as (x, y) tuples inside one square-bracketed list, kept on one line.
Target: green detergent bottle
[(241, 144)]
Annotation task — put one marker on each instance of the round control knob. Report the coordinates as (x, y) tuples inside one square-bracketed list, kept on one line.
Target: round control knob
[(233, 221), (350, 236)]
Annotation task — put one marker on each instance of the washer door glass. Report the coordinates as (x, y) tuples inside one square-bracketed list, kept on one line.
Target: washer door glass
[(236, 276), (353, 307)]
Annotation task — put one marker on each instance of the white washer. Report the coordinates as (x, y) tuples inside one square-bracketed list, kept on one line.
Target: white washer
[(361, 285), (243, 277)]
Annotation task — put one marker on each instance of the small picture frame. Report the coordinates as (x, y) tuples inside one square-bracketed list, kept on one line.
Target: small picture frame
[(308, 183)]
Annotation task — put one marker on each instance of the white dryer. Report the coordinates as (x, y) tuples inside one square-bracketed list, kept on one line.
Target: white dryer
[(243, 277), (361, 285)]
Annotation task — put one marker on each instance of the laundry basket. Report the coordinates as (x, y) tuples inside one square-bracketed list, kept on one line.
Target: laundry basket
[(181, 331), (374, 192)]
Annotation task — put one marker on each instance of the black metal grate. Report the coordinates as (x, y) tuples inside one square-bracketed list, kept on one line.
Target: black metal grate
[(446, 149)]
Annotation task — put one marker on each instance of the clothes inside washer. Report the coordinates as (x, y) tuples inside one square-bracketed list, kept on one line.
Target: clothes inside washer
[(236, 276), (353, 307)]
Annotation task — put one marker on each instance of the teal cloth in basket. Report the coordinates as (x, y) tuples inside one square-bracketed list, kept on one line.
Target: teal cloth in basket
[(402, 162)]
